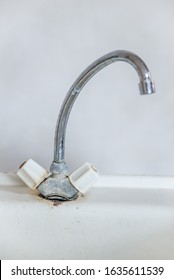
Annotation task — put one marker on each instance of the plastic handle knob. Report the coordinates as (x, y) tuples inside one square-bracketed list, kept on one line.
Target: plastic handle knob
[(84, 177), (32, 174)]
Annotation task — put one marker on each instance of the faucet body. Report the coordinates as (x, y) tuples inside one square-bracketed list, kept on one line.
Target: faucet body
[(58, 185)]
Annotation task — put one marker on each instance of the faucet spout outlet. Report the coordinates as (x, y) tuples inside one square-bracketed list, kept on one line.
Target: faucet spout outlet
[(146, 86)]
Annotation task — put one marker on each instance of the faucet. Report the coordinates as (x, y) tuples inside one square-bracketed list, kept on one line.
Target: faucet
[(58, 185)]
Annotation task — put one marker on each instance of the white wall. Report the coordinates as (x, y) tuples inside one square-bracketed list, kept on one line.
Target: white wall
[(44, 46)]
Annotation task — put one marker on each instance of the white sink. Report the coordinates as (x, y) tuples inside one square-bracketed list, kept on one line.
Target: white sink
[(121, 217)]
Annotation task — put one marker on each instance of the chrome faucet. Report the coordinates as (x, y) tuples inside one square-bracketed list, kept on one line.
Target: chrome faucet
[(58, 185)]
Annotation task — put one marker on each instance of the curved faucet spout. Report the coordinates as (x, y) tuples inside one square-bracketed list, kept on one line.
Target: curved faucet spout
[(146, 86), (58, 186)]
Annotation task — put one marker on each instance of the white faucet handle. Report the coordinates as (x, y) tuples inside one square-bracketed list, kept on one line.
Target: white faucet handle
[(84, 177), (32, 174)]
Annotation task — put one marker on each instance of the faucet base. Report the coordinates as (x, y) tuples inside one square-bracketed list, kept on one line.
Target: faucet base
[(58, 187)]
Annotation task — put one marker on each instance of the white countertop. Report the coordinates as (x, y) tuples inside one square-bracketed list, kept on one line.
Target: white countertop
[(121, 217)]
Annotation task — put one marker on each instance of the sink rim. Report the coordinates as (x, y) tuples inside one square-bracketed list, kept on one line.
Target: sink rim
[(114, 181)]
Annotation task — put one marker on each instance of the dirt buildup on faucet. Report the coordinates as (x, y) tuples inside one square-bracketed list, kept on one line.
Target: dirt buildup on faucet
[(52, 202)]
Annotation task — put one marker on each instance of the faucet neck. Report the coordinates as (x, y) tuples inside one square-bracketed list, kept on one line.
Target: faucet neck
[(146, 87)]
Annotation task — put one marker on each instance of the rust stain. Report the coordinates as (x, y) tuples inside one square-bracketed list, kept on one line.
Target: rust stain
[(57, 202)]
